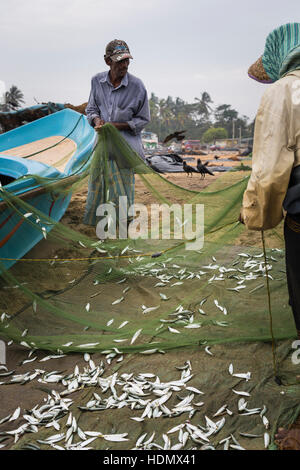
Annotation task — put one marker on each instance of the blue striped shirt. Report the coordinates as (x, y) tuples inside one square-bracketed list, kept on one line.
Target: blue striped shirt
[(126, 103)]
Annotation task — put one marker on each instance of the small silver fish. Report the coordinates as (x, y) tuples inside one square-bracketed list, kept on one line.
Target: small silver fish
[(135, 336), (208, 351), (266, 440), (118, 301), (237, 392)]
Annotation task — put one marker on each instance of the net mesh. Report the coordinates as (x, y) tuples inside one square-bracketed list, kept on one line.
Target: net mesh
[(156, 297)]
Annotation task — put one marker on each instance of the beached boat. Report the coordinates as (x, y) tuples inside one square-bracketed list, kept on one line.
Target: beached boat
[(57, 147), (15, 118)]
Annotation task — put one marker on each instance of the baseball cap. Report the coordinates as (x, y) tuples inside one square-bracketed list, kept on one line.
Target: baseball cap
[(117, 50)]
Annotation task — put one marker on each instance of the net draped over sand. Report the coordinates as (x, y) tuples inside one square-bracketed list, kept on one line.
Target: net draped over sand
[(154, 300)]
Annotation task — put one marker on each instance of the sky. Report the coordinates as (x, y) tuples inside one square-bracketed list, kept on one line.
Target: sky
[(50, 49)]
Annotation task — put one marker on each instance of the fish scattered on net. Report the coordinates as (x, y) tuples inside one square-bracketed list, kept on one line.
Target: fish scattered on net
[(153, 298)]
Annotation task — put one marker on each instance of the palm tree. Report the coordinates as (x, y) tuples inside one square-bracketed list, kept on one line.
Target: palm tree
[(203, 107), (13, 99), (164, 110)]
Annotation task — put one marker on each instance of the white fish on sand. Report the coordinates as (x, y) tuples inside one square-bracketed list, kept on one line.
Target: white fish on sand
[(135, 336), (238, 392), (117, 301)]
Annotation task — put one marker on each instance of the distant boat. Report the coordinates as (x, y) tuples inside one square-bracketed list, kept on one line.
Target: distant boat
[(66, 141)]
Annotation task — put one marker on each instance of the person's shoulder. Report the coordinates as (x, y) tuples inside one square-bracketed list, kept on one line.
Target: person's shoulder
[(98, 76), (281, 90), (283, 84), (133, 80), (277, 99)]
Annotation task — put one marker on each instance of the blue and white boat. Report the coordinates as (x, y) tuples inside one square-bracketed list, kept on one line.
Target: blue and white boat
[(66, 141)]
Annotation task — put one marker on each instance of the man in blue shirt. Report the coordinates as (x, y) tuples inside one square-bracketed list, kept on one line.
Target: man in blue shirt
[(121, 99)]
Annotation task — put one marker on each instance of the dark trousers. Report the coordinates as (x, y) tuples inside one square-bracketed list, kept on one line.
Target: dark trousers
[(292, 257)]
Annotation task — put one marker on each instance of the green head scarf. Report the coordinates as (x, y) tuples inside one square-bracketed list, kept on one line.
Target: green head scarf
[(282, 51)]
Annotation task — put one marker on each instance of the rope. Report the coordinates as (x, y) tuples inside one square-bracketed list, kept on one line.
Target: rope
[(57, 143), (269, 304), (76, 259), (152, 255)]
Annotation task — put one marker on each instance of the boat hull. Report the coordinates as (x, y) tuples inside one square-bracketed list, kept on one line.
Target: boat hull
[(19, 234)]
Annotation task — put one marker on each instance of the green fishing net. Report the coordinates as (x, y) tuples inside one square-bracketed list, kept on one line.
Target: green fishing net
[(158, 299)]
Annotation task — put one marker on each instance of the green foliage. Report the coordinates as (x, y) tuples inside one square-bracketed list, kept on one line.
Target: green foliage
[(13, 99), (214, 133), (235, 125), (170, 115)]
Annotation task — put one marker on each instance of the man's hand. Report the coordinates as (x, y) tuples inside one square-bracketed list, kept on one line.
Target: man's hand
[(98, 123)]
